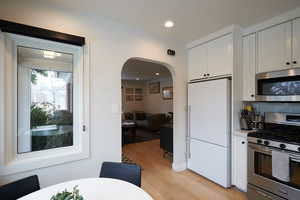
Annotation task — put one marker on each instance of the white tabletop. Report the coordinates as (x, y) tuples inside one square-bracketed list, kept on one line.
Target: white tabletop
[(94, 189)]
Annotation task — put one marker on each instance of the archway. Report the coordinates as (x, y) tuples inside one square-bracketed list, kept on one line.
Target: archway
[(147, 110)]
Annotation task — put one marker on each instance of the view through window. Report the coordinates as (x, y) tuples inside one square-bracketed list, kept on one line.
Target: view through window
[(45, 99)]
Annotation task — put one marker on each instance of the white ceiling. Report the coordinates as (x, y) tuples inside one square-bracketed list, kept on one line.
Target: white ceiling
[(193, 18), (143, 70)]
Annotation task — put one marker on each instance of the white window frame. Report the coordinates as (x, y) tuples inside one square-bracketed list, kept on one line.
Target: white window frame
[(10, 161)]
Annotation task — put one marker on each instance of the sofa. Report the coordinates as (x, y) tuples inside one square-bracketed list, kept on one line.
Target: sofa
[(151, 122)]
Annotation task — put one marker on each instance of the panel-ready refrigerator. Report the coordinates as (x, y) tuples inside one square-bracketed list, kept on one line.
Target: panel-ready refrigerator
[(208, 137)]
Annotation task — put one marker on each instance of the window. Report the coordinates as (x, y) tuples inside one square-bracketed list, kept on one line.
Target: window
[(45, 98), (46, 103)]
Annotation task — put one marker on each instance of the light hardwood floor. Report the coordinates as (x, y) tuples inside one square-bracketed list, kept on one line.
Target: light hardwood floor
[(164, 184)]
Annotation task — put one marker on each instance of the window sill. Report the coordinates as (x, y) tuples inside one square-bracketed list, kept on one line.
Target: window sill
[(42, 159)]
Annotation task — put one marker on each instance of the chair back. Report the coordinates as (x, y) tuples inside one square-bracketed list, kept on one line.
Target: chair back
[(20, 188), (127, 172)]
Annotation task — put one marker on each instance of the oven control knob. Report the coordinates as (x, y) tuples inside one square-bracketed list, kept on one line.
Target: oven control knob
[(282, 146), (266, 143), (259, 141)]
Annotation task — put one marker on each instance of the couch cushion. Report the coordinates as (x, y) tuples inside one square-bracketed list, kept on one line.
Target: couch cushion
[(140, 116)]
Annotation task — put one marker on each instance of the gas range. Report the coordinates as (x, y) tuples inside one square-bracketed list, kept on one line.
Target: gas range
[(279, 140), (274, 158), (279, 132)]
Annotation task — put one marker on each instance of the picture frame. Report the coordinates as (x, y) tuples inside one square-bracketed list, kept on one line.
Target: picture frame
[(167, 93), (138, 91), (138, 98), (129, 91), (154, 88), (129, 98)]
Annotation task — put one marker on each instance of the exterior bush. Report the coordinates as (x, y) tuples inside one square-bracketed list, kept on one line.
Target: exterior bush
[(38, 116)]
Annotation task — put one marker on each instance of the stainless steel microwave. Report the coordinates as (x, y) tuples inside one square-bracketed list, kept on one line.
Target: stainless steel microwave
[(282, 86)]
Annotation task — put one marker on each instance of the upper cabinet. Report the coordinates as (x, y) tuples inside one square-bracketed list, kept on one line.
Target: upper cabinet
[(220, 56), (197, 58), (274, 48), (296, 43), (213, 58), (249, 60)]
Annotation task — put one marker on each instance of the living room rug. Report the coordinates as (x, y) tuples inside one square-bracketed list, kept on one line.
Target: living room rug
[(143, 136)]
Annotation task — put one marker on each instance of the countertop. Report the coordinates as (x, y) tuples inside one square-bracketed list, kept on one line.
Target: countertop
[(242, 133)]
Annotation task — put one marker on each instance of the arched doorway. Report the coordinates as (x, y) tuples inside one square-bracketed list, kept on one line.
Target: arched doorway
[(147, 112)]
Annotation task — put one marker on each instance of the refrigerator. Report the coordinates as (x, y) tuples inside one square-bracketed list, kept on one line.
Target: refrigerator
[(209, 128)]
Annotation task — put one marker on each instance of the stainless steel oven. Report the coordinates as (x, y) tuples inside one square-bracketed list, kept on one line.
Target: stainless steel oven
[(261, 184), (283, 86)]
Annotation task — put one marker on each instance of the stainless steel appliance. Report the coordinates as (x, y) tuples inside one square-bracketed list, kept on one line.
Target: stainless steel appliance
[(281, 134), (282, 86)]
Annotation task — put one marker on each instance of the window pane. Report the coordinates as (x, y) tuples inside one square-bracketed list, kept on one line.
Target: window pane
[(45, 99)]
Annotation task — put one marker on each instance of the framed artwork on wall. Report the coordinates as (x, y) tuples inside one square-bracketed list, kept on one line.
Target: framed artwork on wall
[(154, 88), (167, 93), (138, 98), (129, 90), (138, 91), (129, 98)]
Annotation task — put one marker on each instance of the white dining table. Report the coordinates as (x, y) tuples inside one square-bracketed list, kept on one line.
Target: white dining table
[(94, 189)]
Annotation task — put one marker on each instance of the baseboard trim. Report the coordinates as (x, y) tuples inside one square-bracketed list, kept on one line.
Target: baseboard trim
[(178, 167)]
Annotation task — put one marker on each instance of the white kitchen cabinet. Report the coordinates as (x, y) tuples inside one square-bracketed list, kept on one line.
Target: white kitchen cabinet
[(214, 58), (274, 48), (296, 43), (197, 61), (220, 56), (239, 170), (249, 67)]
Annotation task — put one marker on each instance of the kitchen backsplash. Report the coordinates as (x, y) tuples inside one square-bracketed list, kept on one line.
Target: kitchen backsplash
[(263, 107)]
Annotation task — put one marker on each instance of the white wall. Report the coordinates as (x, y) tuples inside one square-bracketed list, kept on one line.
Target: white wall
[(111, 44)]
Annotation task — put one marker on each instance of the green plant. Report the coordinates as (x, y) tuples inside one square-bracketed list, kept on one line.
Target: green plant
[(38, 116), (66, 195), (34, 73)]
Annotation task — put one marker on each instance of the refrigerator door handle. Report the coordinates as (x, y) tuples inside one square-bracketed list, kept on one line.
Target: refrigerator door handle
[(188, 138), (188, 148)]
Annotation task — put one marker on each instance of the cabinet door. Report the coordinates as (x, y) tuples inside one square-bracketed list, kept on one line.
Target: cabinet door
[(220, 56), (240, 162), (296, 43), (249, 68), (197, 62), (274, 48)]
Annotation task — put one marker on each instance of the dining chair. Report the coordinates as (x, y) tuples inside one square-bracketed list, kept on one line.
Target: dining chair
[(127, 172), (20, 188)]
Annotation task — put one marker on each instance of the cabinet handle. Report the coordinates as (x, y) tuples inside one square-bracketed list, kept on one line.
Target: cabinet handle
[(252, 95), (294, 62), (288, 63), (243, 142)]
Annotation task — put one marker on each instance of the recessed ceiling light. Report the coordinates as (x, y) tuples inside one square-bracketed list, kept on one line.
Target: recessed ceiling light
[(157, 74), (169, 24), (137, 79)]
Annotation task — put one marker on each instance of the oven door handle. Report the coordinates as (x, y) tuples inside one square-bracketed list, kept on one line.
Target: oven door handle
[(259, 148), (264, 195), (295, 158)]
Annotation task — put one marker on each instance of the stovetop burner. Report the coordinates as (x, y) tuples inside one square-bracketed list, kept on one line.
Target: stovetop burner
[(279, 133), (279, 137)]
